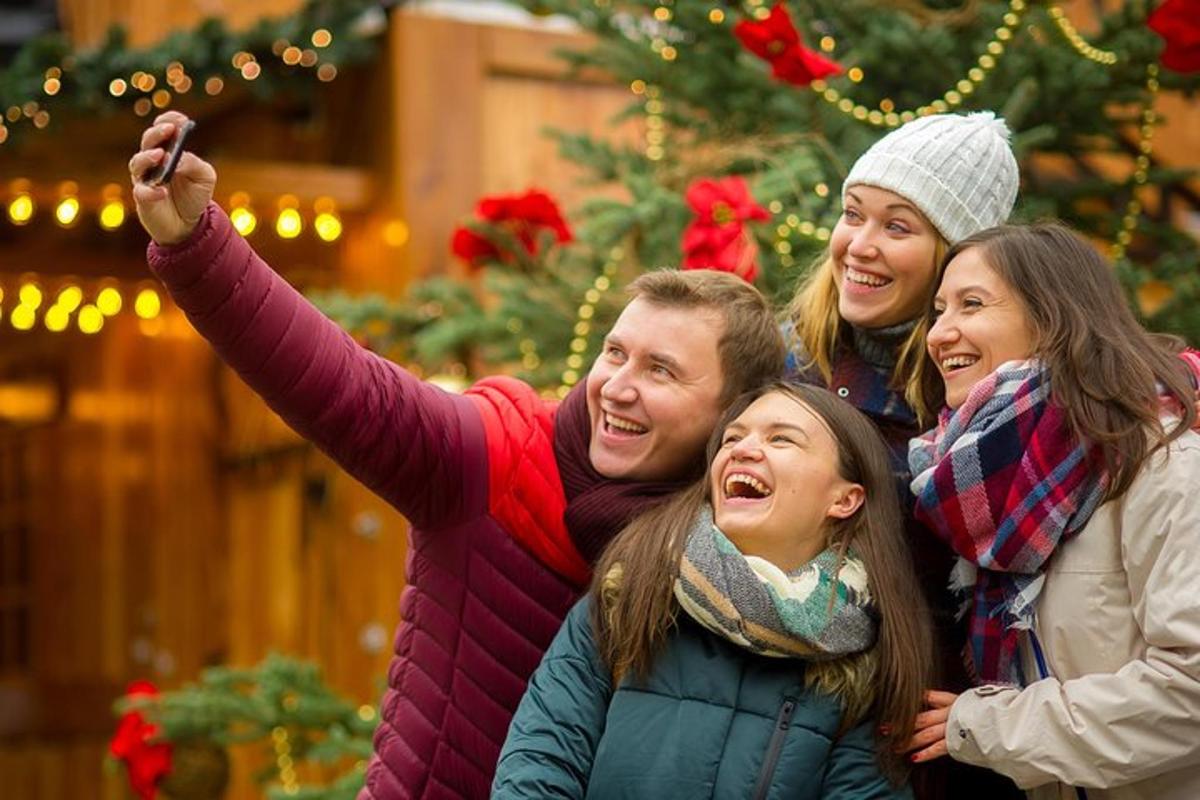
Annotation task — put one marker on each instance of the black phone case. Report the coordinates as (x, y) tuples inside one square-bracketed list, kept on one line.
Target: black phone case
[(163, 172)]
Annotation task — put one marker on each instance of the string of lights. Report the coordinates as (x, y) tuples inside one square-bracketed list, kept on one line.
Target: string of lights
[(85, 306), (175, 81)]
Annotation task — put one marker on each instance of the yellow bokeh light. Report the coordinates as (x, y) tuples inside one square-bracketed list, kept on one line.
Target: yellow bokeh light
[(289, 223), (57, 318), (69, 298), (322, 38), (243, 220), (67, 211), (109, 301), (147, 304), (328, 226), (30, 295), (395, 233), (20, 209), (23, 317), (112, 215), (90, 319)]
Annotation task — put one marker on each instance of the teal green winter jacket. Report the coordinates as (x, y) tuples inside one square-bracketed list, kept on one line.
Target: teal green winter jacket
[(711, 721)]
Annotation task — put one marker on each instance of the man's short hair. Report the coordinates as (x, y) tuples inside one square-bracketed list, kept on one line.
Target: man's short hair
[(750, 348)]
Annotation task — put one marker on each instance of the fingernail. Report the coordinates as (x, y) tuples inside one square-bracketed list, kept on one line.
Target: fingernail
[(915, 757)]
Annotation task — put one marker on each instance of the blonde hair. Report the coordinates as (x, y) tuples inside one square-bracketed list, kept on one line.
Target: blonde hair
[(817, 328)]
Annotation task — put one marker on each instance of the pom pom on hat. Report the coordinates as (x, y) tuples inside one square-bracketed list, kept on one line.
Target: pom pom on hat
[(958, 169)]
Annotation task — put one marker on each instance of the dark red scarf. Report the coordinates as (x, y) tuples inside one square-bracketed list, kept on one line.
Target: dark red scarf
[(597, 507)]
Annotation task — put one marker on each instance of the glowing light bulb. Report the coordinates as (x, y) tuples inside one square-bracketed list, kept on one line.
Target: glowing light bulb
[(112, 215), (20, 209), (57, 318), (328, 226), (243, 220), (69, 298), (289, 223), (108, 301), (67, 211), (147, 304), (90, 319), (30, 295), (22, 317)]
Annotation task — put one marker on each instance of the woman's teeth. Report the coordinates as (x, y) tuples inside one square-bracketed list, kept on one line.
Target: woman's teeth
[(957, 362), (742, 485), (623, 424), (865, 278)]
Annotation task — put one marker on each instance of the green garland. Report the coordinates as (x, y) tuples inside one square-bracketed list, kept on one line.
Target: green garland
[(50, 76)]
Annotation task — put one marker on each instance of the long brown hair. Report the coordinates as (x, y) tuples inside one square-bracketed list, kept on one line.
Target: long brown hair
[(634, 607), (817, 327), (1105, 369)]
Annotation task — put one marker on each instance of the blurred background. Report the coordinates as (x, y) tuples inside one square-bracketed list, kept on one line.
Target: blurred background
[(466, 186)]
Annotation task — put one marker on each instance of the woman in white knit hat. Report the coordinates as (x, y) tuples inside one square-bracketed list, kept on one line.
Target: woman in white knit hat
[(854, 327)]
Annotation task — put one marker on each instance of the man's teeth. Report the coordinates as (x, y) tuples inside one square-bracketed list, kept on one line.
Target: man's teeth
[(954, 362), (623, 424), (865, 278), (731, 484)]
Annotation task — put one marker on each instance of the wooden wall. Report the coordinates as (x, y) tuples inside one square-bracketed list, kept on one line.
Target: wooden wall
[(177, 522)]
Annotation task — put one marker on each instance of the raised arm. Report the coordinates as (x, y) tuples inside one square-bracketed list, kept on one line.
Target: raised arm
[(552, 741), (419, 447)]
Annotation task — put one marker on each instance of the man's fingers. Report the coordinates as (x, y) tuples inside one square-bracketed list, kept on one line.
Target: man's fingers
[(157, 135), (196, 168), (173, 117), (143, 161), (145, 193)]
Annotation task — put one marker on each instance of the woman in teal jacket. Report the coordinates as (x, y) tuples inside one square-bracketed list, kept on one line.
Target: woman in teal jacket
[(746, 639)]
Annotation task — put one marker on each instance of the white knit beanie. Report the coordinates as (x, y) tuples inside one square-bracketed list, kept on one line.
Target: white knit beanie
[(959, 170)]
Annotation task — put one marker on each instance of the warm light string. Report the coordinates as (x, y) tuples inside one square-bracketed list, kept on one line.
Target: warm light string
[(1105, 57), (158, 96), (1141, 174), (284, 761), (887, 116), (584, 317), (70, 304), (111, 211)]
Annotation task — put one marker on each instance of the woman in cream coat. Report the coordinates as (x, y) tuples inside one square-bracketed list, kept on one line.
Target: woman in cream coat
[(1065, 475)]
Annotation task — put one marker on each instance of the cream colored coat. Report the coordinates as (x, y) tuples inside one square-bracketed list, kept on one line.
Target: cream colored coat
[(1119, 623)]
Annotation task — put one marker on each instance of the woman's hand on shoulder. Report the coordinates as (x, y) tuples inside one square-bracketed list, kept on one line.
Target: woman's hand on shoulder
[(929, 728)]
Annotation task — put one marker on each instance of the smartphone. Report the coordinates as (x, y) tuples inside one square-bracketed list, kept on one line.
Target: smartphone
[(163, 172)]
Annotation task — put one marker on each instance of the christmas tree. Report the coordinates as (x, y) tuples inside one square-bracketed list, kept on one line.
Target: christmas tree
[(752, 116)]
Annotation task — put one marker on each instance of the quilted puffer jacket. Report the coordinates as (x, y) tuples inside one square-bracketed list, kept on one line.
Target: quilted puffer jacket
[(711, 721), (491, 569)]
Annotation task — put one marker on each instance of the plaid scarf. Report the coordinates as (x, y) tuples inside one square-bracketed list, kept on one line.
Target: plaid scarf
[(814, 612), (1004, 482)]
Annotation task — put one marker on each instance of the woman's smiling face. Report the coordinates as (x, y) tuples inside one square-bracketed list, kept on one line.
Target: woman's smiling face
[(980, 323), (775, 481), (884, 255)]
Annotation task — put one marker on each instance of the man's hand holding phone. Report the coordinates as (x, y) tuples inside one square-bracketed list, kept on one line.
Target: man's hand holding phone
[(169, 205)]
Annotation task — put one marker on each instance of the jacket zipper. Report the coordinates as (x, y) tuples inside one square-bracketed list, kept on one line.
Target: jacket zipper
[(774, 747)]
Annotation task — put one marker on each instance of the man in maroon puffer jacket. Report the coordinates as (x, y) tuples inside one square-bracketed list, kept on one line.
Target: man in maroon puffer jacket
[(511, 497)]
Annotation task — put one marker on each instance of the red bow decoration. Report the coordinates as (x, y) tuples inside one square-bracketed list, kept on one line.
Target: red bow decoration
[(716, 238), (146, 761), (1178, 23), (525, 216), (776, 41)]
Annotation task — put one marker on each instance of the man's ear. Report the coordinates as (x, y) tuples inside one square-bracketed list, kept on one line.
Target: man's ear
[(849, 499)]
